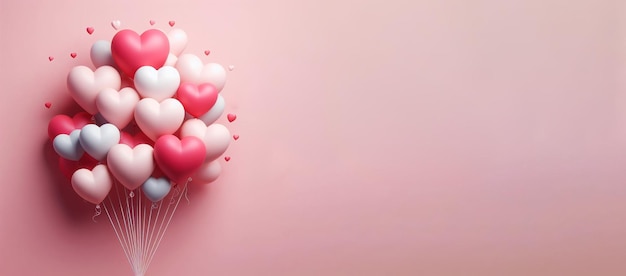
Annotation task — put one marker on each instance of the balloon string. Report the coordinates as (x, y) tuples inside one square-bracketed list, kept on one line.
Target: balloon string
[(169, 219), (185, 191), (115, 228), (97, 212), (174, 194)]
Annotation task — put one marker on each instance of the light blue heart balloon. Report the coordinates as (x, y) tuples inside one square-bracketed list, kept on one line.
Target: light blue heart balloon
[(98, 140), (68, 146), (156, 188)]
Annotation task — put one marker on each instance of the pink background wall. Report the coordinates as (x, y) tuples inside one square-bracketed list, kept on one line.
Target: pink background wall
[(379, 138)]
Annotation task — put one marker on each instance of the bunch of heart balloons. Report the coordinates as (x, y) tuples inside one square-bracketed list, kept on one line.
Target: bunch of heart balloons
[(148, 119)]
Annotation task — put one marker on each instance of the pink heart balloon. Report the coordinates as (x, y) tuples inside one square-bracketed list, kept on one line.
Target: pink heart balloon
[(197, 99), (131, 51), (156, 119), (179, 159), (84, 84), (178, 41), (191, 69), (117, 107), (215, 137), (208, 172), (171, 60), (131, 166), (92, 185)]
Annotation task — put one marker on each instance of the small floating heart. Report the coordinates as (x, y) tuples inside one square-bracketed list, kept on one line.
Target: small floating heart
[(73, 55), (48, 104), (116, 24), (152, 22), (236, 137), (231, 67), (231, 117), (172, 23), (50, 58), (207, 52), (90, 30), (227, 158)]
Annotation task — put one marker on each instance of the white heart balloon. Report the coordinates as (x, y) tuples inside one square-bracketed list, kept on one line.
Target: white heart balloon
[(117, 107), (191, 69), (116, 24), (208, 173), (101, 53), (97, 140), (84, 84), (215, 112), (92, 185), (156, 119), (157, 84), (216, 137), (131, 166), (68, 146), (178, 41)]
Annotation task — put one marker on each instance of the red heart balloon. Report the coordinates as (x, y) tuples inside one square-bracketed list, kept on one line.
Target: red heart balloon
[(68, 167), (131, 51), (197, 99), (179, 159), (63, 124), (134, 140)]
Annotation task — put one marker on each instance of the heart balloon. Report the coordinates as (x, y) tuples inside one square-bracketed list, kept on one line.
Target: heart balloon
[(68, 167), (157, 84), (215, 112), (131, 51), (131, 166), (101, 53), (191, 69), (92, 185), (156, 119), (179, 159), (68, 146), (134, 140), (178, 41), (117, 107), (171, 60), (99, 119), (208, 172), (215, 137), (197, 99), (84, 84), (63, 124), (97, 140), (156, 189)]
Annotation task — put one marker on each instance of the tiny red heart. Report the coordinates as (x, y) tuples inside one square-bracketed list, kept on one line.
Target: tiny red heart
[(48, 104), (231, 117), (227, 158), (50, 58), (236, 137), (207, 52), (152, 22), (172, 23), (90, 30), (73, 55)]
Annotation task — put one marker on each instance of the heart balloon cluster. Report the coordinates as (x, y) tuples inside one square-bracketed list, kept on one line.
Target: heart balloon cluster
[(148, 119)]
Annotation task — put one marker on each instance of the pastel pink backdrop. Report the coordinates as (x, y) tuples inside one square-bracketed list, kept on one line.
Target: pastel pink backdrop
[(377, 138)]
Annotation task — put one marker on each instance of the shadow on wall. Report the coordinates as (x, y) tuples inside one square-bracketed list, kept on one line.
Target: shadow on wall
[(75, 208)]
